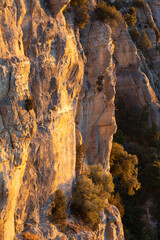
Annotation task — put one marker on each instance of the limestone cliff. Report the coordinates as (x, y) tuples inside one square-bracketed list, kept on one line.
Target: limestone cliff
[(70, 77), (40, 60)]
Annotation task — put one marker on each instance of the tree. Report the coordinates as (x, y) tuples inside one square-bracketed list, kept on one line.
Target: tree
[(130, 17), (135, 35), (81, 8), (80, 155), (144, 43), (58, 209), (115, 200), (108, 14), (151, 178), (101, 179), (123, 167), (90, 192), (87, 201)]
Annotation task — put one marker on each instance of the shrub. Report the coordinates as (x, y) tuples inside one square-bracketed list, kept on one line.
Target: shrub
[(87, 199), (151, 177), (123, 167), (115, 200), (58, 209), (29, 104), (81, 12), (101, 179), (130, 17), (108, 14), (135, 35), (90, 193), (80, 155), (152, 136), (82, 17), (133, 121), (144, 43), (116, 4)]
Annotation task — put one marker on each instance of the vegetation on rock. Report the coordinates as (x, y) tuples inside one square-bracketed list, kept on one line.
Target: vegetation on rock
[(144, 42), (80, 155), (139, 137), (58, 208), (81, 12), (123, 167), (135, 35), (130, 17), (108, 14), (89, 195)]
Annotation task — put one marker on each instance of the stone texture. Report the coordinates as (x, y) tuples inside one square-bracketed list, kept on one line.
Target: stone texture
[(114, 225), (132, 83), (95, 111), (57, 6), (39, 60), (43, 60)]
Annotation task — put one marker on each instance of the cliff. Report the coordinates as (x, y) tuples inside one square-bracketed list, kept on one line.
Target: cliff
[(69, 78)]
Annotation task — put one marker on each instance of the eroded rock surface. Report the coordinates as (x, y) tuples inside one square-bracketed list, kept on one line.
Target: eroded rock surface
[(95, 112), (42, 59), (39, 61)]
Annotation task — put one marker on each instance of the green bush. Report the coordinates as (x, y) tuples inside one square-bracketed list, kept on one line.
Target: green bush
[(115, 200), (101, 179), (81, 8), (152, 136), (80, 155), (123, 167), (144, 42), (29, 104), (108, 14), (58, 209), (133, 121), (151, 178), (135, 35), (90, 193), (130, 17), (145, 154)]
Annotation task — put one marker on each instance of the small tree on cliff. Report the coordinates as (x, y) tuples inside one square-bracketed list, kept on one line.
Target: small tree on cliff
[(90, 193), (123, 167), (81, 8), (108, 14), (144, 43), (58, 209)]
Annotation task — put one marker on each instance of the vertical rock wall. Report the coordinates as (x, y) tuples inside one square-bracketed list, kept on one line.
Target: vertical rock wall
[(95, 112), (40, 61)]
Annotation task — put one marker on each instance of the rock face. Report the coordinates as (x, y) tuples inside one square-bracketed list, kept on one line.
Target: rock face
[(95, 112), (72, 88), (39, 60), (57, 6), (132, 83)]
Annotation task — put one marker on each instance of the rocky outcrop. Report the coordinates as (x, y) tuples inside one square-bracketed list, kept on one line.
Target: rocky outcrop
[(132, 82), (95, 112), (40, 61), (57, 6)]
